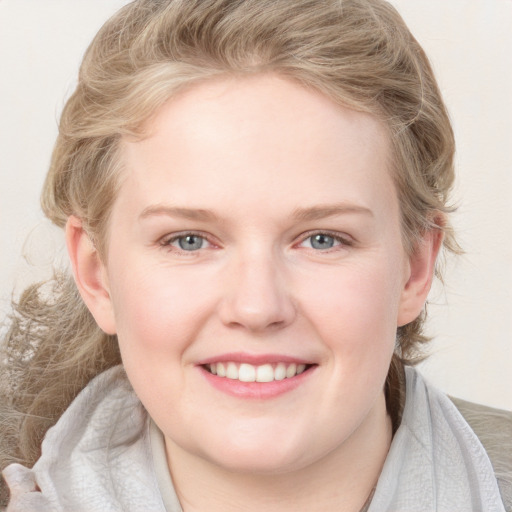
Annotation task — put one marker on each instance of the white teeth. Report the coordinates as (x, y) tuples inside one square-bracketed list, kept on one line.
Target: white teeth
[(291, 371), (245, 372), (280, 372), (221, 370), (232, 371), (264, 373)]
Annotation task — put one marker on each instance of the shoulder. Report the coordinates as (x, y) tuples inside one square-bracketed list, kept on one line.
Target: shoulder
[(101, 439), (24, 492), (493, 427)]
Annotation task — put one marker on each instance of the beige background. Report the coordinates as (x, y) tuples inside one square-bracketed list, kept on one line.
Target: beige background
[(470, 44)]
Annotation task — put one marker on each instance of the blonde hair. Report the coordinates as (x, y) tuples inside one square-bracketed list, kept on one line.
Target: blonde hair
[(357, 52)]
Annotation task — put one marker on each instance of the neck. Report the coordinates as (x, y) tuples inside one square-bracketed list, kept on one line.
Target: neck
[(342, 480)]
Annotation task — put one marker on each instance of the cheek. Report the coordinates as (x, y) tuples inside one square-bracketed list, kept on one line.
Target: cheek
[(358, 306), (156, 308), (158, 315)]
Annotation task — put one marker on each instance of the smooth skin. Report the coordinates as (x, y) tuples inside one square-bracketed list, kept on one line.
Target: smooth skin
[(256, 218)]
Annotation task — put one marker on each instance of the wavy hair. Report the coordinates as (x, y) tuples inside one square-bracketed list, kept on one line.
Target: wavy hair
[(359, 53)]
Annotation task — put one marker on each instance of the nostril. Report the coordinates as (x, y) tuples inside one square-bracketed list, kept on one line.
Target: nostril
[(256, 298), (267, 317)]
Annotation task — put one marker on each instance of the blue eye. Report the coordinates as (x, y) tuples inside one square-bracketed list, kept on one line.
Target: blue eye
[(189, 242), (323, 241)]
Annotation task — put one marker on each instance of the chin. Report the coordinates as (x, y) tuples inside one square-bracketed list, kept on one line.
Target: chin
[(259, 463), (271, 455)]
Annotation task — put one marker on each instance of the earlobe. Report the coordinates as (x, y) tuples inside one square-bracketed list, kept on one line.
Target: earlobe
[(421, 267), (90, 275)]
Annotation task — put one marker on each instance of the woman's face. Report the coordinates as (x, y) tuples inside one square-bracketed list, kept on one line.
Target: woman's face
[(256, 233)]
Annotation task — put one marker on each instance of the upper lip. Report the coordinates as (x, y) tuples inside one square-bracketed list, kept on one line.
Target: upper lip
[(254, 359)]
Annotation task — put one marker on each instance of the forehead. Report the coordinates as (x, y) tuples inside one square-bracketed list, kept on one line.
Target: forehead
[(241, 140)]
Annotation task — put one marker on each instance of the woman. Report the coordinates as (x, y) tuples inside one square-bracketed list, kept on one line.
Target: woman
[(254, 195)]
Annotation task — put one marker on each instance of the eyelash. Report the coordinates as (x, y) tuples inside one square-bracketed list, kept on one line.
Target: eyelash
[(343, 241), (166, 242)]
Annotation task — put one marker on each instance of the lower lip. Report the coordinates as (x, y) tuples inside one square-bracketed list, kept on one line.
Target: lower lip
[(256, 390)]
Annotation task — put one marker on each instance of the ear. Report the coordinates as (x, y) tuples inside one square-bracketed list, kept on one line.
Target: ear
[(90, 274), (420, 273)]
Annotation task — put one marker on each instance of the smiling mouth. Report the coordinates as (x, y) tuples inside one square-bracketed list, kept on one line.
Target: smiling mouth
[(245, 372)]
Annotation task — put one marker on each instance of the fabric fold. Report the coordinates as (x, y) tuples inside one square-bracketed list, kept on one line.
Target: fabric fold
[(436, 462)]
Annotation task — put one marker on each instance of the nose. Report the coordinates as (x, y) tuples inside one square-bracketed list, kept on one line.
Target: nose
[(257, 297)]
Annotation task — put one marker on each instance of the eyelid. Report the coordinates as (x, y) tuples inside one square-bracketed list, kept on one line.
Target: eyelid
[(167, 240), (344, 239)]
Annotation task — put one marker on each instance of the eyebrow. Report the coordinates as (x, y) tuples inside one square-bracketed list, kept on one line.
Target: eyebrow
[(332, 210), (198, 214), (300, 214)]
